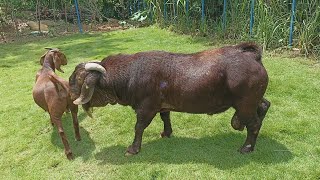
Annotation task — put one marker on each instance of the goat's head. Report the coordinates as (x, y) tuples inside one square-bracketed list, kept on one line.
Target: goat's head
[(54, 58)]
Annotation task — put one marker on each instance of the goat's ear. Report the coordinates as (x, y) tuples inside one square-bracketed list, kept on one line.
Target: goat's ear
[(42, 58), (58, 60)]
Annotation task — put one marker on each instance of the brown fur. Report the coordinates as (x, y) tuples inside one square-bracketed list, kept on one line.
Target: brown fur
[(210, 82), (51, 93)]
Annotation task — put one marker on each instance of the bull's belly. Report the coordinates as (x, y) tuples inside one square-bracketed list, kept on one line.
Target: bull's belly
[(197, 107)]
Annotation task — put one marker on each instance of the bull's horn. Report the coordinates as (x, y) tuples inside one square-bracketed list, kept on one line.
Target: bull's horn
[(95, 67), (85, 96)]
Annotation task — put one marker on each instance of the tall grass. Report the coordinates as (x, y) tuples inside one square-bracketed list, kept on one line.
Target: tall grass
[(271, 21)]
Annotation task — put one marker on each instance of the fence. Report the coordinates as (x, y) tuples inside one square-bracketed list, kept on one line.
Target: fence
[(272, 23)]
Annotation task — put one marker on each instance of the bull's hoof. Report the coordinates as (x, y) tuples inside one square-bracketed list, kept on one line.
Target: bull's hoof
[(246, 149), (78, 138), (165, 135), (69, 156), (131, 151)]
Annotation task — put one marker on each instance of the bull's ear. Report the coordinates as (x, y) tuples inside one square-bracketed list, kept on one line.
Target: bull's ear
[(87, 88), (85, 96)]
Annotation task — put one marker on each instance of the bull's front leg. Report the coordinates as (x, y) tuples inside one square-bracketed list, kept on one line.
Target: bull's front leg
[(144, 118), (167, 130)]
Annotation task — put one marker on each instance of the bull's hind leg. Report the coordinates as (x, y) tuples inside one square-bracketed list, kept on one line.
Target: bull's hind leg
[(263, 108), (254, 125), (144, 118), (167, 130), (236, 123), (249, 114)]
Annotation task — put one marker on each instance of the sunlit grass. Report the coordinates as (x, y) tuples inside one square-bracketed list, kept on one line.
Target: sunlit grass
[(202, 147)]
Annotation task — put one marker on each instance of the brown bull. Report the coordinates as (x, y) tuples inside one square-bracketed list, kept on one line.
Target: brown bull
[(154, 82)]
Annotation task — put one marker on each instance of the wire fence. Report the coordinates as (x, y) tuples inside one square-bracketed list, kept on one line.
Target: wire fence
[(274, 24)]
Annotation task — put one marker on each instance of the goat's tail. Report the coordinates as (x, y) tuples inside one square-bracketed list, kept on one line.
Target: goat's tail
[(61, 88), (251, 47)]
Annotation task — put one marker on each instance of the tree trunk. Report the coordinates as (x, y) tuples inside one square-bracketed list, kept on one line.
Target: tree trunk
[(38, 15), (65, 15)]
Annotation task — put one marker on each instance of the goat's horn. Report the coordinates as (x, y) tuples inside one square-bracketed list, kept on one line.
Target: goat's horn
[(95, 67)]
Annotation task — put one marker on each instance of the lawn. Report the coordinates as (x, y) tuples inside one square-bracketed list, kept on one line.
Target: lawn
[(202, 146)]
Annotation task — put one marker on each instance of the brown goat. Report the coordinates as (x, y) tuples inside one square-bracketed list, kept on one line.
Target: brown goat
[(51, 93)]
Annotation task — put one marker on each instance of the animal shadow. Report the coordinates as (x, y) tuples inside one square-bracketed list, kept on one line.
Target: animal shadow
[(219, 151), (83, 148)]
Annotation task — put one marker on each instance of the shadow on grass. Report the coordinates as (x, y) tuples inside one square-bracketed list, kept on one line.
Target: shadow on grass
[(219, 151), (84, 46), (83, 148)]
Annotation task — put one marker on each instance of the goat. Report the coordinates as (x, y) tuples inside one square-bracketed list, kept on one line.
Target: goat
[(51, 93)]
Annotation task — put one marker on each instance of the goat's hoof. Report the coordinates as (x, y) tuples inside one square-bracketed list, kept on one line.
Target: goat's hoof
[(245, 149), (78, 138), (165, 135), (69, 156)]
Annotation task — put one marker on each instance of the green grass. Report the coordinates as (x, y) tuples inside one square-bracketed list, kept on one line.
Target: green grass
[(203, 147)]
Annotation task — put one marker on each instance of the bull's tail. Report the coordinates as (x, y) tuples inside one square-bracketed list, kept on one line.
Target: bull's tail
[(251, 47), (61, 88)]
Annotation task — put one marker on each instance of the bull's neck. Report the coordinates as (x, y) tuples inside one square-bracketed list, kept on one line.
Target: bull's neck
[(117, 88)]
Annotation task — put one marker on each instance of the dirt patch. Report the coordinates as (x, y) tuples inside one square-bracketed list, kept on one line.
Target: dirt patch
[(26, 30)]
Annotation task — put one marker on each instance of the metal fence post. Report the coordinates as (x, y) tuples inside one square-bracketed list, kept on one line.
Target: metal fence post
[(224, 15), (174, 9), (187, 7), (165, 10), (251, 17), (202, 11), (78, 16), (293, 11)]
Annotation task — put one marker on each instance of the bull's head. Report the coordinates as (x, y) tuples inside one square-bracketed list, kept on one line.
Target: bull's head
[(54, 58), (87, 86)]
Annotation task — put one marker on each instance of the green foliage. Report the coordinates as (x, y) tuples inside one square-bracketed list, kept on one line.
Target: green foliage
[(271, 25), (202, 146)]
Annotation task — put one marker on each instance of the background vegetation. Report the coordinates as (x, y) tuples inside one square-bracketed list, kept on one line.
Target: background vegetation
[(271, 25), (203, 147)]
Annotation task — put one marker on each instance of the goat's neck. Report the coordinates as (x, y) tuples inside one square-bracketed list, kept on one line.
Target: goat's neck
[(48, 63)]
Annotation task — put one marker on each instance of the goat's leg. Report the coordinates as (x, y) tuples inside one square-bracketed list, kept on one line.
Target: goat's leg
[(58, 123), (74, 112), (167, 130), (144, 118)]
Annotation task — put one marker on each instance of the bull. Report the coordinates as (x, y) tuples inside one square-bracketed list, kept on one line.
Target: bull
[(152, 82)]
